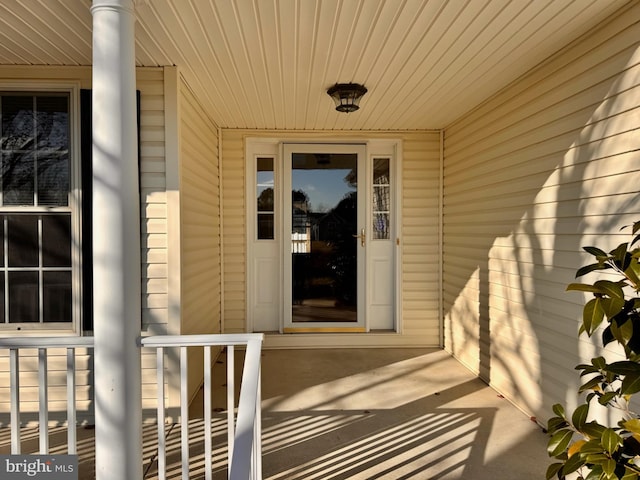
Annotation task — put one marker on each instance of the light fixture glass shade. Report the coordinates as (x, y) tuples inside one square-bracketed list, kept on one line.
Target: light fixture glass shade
[(347, 96)]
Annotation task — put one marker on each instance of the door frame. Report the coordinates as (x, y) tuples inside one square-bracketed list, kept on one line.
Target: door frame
[(265, 299)]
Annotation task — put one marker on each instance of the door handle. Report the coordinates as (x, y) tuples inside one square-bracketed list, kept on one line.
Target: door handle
[(362, 237)]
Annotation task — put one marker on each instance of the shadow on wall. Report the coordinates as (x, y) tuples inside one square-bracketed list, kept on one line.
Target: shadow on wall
[(523, 194)]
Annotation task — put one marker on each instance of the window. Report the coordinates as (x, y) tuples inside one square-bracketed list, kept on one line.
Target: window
[(37, 212), (381, 198), (264, 193)]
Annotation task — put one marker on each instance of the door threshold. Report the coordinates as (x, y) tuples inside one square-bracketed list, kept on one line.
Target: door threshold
[(324, 330)]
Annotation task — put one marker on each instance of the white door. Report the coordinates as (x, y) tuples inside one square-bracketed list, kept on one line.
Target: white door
[(325, 213)]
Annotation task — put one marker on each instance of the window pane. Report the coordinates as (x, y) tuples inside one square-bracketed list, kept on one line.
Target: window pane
[(265, 226), (381, 171), (2, 318), (381, 226), (53, 179), (18, 126), (17, 143), (56, 296), (18, 175), (23, 297), (22, 233), (381, 199), (52, 123), (2, 217), (56, 241), (264, 178), (53, 150)]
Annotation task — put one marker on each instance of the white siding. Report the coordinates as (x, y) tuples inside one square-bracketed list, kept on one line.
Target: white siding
[(544, 168), (419, 255), (200, 226)]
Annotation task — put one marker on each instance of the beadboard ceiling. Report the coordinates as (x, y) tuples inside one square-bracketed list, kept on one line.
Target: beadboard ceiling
[(266, 64)]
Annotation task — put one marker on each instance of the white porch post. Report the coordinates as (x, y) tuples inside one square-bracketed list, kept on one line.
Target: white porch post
[(116, 244)]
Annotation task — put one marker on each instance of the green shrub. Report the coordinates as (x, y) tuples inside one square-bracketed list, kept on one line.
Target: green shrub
[(590, 449)]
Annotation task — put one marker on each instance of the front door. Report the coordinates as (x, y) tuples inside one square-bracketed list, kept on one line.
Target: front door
[(325, 196), (322, 236)]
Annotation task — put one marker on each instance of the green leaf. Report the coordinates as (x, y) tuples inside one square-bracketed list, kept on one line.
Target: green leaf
[(559, 442), (631, 425), (598, 458), (607, 397), (633, 272), (579, 417), (591, 384), (599, 362), (573, 464), (630, 384), (583, 287), (559, 410), (591, 447), (587, 369), (592, 315), (629, 475), (609, 468), (595, 473), (610, 440), (556, 423), (593, 430), (624, 367), (622, 333), (595, 251), (620, 256), (590, 268), (610, 288), (552, 470)]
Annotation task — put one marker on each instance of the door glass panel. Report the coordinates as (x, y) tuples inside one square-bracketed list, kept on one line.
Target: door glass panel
[(324, 201), (381, 199), (264, 195)]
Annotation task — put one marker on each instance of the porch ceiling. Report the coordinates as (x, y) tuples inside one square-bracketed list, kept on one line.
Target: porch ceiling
[(266, 64)]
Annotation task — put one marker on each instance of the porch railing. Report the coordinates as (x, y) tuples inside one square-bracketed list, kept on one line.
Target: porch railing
[(243, 427), (244, 439)]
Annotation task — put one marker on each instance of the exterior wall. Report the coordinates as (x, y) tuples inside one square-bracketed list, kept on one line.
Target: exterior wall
[(153, 244), (419, 239), (200, 227), (153, 223), (546, 167)]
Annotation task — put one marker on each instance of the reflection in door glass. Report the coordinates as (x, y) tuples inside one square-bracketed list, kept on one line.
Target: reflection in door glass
[(381, 199), (264, 194), (324, 202)]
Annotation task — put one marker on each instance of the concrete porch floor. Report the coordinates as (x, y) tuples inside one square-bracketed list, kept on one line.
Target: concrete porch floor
[(359, 414)]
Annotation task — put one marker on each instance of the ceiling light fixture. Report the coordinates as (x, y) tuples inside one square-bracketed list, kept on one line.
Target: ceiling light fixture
[(347, 96)]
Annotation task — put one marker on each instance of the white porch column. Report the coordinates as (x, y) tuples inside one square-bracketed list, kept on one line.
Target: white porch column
[(116, 244)]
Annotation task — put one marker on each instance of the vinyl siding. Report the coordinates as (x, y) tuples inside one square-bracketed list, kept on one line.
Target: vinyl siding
[(419, 238), (153, 254), (200, 227), (544, 168), (153, 223)]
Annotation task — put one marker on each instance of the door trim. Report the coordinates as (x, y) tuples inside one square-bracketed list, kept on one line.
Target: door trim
[(257, 146)]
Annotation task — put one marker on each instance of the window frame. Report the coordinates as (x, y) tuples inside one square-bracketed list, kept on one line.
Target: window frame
[(74, 207)]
